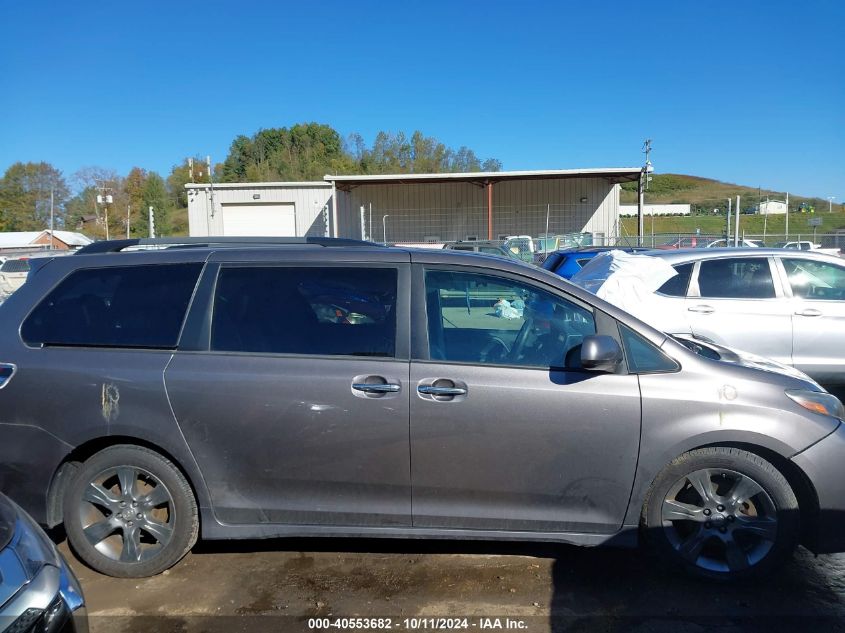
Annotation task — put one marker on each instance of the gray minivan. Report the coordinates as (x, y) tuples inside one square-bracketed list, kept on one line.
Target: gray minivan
[(239, 388)]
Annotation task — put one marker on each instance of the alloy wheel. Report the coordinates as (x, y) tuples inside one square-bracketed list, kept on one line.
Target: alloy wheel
[(127, 514), (719, 520)]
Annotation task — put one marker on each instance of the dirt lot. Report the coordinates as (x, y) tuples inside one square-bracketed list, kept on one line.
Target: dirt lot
[(278, 585)]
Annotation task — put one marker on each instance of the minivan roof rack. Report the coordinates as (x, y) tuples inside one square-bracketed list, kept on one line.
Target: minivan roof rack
[(115, 246)]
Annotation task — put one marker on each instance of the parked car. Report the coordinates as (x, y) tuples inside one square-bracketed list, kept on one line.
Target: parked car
[(742, 242), (13, 274), (785, 305), (568, 262), (522, 246), (488, 247), (485, 398), (546, 244), (14, 271), (38, 591), (807, 245)]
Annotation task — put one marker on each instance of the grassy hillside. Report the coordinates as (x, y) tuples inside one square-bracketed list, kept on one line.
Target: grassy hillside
[(705, 194), (748, 224)]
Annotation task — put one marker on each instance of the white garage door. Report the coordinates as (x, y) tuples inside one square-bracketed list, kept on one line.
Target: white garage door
[(259, 219)]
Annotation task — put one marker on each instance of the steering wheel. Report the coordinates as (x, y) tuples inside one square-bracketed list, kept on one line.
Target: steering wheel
[(495, 350), (518, 348)]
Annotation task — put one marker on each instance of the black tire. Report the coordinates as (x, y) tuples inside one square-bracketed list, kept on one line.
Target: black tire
[(753, 537), (140, 541)]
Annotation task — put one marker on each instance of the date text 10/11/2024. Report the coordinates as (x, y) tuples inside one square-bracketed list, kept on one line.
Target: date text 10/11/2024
[(413, 624)]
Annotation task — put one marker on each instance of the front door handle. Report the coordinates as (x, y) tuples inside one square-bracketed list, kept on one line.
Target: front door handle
[(809, 312), (442, 391), (701, 309), (376, 387)]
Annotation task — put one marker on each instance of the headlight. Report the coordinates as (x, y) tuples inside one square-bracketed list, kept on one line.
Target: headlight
[(818, 402)]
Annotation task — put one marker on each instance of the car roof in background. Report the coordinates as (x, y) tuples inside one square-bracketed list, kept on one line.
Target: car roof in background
[(694, 254)]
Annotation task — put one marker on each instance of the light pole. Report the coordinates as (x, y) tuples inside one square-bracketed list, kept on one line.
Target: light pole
[(830, 200), (105, 199), (384, 227)]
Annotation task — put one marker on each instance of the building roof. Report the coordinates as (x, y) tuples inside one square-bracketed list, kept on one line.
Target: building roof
[(20, 239), (618, 174), (257, 185)]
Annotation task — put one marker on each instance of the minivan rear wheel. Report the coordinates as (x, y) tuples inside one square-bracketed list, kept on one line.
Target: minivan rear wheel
[(130, 513), (723, 513)]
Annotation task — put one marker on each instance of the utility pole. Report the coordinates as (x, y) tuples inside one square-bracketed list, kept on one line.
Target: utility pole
[(786, 228), (830, 200), (643, 185), (728, 225), (52, 242), (736, 232), (210, 183), (128, 215), (105, 198), (766, 220)]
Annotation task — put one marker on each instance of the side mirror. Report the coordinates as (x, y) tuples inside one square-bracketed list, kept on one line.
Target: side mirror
[(600, 353)]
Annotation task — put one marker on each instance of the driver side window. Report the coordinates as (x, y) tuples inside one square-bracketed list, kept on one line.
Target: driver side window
[(484, 319)]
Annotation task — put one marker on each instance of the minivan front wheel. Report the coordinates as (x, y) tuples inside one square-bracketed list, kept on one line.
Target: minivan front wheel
[(130, 512), (723, 513)]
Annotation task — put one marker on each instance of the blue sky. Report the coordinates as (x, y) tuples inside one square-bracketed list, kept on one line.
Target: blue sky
[(748, 92)]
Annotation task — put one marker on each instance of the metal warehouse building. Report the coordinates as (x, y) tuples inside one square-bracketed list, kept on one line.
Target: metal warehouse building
[(415, 208)]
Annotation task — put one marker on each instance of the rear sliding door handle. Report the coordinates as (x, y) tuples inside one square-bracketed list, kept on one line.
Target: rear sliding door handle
[(701, 309), (809, 312), (442, 391), (376, 387)]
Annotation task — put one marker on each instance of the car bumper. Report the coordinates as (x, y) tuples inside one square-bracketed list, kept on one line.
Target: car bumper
[(51, 602), (824, 465)]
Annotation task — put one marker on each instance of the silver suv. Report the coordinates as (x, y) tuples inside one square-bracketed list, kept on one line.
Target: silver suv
[(258, 388)]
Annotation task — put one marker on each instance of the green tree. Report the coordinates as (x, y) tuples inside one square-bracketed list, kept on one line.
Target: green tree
[(155, 195), (308, 151), (133, 190), (25, 197)]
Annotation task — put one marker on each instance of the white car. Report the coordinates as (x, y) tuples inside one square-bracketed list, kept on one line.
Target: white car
[(785, 305)]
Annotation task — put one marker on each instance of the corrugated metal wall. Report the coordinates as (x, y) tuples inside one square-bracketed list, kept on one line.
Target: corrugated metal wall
[(427, 211), (307, 198), (455, 211)]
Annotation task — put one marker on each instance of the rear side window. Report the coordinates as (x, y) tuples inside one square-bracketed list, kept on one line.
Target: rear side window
[(15, 266), (297, 310), (120, 306), (677, 285), (741, 278)]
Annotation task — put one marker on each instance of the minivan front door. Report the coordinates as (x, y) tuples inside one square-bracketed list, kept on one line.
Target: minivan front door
[(297, 411), (499, 440)]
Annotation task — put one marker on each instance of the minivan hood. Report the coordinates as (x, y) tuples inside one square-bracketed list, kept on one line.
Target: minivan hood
[(714, 351)]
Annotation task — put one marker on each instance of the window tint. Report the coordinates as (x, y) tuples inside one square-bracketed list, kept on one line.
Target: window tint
[(122, 306), (748, 278), (644, 357), (294, 310), (820, 281), (677, 285), (15, 266), (477, 318)]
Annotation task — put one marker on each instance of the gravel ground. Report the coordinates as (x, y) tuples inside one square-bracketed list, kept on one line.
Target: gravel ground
[(279, 585)]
